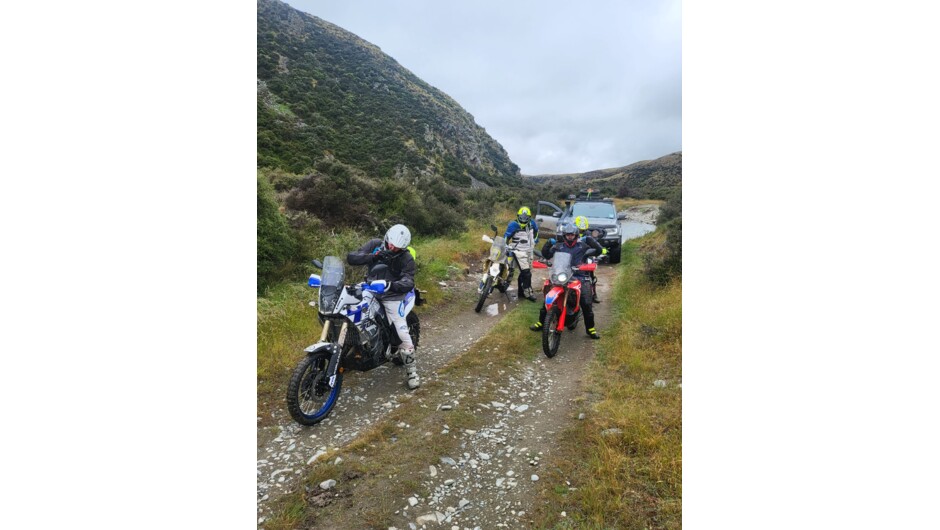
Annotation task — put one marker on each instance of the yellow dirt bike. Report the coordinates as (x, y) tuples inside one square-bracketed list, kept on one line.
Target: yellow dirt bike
[(498, 269)]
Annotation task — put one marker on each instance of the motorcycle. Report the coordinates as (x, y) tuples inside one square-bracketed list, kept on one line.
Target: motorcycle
[(562, 299), (357, 335), (499, 267)]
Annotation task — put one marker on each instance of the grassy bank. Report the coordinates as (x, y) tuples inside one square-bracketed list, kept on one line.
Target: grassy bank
[(287, 324), (622, 466)]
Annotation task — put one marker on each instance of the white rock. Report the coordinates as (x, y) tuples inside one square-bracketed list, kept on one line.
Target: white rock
[(449, 482), (412, 501), (446, 407), (448, 460), (315, 456), (463, 502), (484, 456), (608, 432), (564, 514), (522, 408), (497, 404), (432, 470), (510, 473), (327, 484), (659, 383), (499, 482), (427, 518), (535, 478), (581, 416)]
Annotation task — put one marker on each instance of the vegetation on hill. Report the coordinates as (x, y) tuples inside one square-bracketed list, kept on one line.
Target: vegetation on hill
[(649, 179), (323, 90)]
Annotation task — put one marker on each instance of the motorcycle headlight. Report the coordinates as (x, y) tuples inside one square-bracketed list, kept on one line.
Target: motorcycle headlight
[(562, 277), (494, 269)]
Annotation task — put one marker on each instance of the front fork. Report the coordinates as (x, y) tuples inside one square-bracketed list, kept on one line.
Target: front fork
[(336, 352)]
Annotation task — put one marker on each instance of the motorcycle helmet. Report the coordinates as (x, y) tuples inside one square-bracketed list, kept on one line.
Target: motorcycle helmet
[(524, 215), (569, 230), (582, 223), (397, 238)]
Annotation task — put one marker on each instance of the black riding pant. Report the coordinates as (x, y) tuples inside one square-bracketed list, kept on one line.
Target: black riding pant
[(586, 303)]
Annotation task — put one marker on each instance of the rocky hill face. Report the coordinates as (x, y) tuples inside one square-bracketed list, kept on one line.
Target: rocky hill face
[(323, 91), (649, 179)]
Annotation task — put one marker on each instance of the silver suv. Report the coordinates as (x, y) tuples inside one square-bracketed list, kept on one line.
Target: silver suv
[(600, 213)]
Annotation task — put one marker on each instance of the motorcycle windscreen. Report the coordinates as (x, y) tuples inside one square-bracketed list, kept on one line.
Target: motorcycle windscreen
[(561, 267), (331, 285), (498, 250)]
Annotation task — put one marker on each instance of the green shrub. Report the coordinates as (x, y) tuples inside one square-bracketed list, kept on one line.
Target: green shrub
[(277, 247)]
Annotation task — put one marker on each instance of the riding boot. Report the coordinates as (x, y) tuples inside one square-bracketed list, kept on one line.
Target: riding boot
[(411, 369)]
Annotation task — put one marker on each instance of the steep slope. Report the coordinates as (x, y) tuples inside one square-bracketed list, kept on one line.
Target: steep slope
[(324, 91), (649, 179)]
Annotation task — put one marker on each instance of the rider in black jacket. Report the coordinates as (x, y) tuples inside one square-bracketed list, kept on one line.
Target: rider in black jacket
[(398, 298), (571, 245)]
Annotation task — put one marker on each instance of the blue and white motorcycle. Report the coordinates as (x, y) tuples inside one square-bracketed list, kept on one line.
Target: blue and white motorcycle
[(356, 335)]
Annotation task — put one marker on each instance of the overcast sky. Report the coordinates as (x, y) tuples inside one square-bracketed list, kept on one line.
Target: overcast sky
[(563, 86)]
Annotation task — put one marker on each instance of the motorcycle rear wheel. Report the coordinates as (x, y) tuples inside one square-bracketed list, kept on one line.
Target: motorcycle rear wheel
[(306, 405), (551, 337), (487, 287)]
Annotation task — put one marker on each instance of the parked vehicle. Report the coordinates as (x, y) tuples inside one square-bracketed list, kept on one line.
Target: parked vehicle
[(356, 336), (601, 215), (563, 299)]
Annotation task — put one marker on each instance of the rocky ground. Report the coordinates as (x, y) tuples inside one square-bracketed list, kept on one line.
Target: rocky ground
[(492, 481), (286, 448), (646, 213)]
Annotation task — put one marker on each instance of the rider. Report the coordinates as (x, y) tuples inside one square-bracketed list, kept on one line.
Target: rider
[(524, 234), (572, 245), (582, 223), (394, 252)]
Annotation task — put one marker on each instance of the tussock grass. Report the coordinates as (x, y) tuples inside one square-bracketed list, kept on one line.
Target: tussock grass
[(631, 479)]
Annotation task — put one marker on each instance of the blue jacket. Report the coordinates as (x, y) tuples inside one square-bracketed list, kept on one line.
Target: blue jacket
[(514, 227)]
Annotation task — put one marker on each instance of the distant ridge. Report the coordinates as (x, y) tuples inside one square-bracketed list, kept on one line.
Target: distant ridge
[(653, 179)]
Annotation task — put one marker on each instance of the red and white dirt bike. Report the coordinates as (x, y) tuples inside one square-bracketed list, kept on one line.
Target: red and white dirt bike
[(563, 299)]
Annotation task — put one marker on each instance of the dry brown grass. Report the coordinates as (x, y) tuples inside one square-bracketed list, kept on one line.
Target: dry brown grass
[(632, 478)]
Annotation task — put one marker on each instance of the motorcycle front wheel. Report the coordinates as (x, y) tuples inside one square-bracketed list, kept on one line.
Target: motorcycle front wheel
[(487, 287), (551, 337), (309, 397)]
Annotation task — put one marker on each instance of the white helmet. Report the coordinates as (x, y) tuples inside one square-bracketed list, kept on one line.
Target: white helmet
[(398, 236)]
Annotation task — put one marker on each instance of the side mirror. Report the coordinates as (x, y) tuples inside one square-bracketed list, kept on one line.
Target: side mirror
[(318, 264), (493, 228), (621, 215)]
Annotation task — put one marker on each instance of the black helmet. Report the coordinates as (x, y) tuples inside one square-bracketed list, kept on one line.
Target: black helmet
[(567, 229)]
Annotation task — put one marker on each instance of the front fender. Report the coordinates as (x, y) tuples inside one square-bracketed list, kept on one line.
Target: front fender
[(335, 352), (552, 294)]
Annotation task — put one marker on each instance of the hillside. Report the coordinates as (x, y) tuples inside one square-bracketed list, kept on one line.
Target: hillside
[(323, 91), (648, 179)]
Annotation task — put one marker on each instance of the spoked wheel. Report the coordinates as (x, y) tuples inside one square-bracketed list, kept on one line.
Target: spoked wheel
[(414, 329), (309, 396), (487, 287), (551, 337)]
